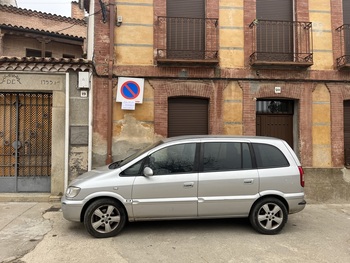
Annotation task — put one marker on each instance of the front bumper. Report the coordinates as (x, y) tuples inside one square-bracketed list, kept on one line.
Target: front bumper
[(71, 209)]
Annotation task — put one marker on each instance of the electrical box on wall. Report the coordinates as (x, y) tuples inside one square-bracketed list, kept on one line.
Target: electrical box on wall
[(83, 80)]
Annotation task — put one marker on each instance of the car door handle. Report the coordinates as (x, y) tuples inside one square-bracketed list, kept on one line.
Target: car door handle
[(248, 181), (188, 184)]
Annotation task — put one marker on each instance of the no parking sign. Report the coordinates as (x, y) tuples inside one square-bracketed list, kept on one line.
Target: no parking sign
[(130, 90)]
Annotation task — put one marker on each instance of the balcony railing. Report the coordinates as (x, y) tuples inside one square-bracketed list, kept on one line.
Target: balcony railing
[(344, 33), (281, 43), (187, 40)]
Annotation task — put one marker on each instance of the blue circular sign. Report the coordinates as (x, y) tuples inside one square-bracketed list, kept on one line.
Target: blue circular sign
[(130, 90)]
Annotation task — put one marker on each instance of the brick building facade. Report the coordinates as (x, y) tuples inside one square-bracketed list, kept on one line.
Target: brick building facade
[(235, 81), (44, 126)]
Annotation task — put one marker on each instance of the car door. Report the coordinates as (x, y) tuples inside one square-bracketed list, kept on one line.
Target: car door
[(171, 191), (228, 184)]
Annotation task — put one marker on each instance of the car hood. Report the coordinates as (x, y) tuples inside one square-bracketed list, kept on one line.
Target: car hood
[(98, 172)]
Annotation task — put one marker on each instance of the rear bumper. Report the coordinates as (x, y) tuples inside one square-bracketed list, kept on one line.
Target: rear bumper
[(296, 205)]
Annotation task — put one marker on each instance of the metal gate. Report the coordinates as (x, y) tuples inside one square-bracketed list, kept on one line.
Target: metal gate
[(25, 142)]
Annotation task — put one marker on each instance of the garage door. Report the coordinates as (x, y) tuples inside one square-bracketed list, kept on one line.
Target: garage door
[(187, 116)]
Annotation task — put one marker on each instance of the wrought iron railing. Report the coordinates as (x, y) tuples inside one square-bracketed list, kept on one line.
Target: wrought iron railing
[(344, 34), (187, 39), (281, 42)]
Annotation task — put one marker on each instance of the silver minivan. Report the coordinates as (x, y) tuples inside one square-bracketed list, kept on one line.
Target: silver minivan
[(190, 177)]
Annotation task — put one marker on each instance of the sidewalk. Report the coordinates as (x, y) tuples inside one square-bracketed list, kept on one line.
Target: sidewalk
[(22, 227)]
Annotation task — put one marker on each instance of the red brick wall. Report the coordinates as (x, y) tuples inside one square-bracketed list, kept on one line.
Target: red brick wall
[(338, 94), (101, 57), (337, 21), (38, 20), (249, 16), (301, 10), (76, 12)]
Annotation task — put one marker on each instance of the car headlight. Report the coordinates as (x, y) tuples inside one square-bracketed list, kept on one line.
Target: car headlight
[(72, 191)]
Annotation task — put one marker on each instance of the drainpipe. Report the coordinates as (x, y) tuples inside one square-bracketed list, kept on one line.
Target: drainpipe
[(90, 52), (66, 136), (110, 81)]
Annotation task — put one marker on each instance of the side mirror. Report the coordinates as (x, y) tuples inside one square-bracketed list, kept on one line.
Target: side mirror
[(147, 171)]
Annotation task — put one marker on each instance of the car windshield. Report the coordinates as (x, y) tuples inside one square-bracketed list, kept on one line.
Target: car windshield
[(120, 163)]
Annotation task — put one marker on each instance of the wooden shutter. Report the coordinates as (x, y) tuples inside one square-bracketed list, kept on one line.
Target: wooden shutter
[(275, 38), (185, 8), (346, 21), (346, 12), (280, 10), (185, 29)]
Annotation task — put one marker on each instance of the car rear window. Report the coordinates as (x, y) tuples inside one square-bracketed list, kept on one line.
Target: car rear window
[(269, 156)]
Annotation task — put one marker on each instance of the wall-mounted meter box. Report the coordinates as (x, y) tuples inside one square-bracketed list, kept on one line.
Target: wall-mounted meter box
[(83, 80)]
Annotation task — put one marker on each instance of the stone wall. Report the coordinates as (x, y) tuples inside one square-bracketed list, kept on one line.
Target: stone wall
[(327, 185)]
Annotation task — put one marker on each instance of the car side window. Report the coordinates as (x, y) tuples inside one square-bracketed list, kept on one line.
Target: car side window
[(133, 170), (269, 156), (226, 156), (174, 159), (246, 157)]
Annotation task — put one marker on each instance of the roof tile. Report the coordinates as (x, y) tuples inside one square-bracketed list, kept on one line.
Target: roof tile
[(44, 64), (29, 12)]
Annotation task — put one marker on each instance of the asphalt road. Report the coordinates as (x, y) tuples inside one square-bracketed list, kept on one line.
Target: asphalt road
[(320, 233)]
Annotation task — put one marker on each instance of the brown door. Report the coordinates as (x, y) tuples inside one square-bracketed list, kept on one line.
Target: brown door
[(275, 33), (187, 116), (279, 126), (185, 29), (347, 132), (274, 118)]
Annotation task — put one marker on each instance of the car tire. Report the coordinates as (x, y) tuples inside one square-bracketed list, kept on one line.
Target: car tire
[(104, 218), (268, 216)]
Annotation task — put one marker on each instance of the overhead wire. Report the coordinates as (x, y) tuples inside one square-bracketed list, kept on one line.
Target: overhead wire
[(102, 10)]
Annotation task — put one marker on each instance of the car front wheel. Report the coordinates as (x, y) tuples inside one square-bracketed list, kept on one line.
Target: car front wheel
[(268, 216), (104, 218)]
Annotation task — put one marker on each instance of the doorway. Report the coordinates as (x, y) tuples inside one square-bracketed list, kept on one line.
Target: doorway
[(25, 142)]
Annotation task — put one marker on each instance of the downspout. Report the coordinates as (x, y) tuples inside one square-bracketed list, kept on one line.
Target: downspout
[(90, 52), (66, 136), (110, 81)]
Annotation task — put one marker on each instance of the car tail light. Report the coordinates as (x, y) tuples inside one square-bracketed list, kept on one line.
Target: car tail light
[(302, 180)]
